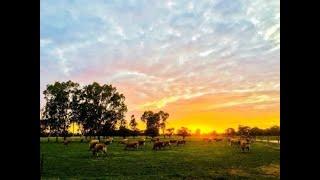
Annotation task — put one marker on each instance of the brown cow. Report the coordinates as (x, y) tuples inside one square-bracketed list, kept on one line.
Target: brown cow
[(181, 142), (110, 139), (158, 145), (99, 147), (141, 143), (155, 139), (92, 144), (166, 144), (132, 145), (173, 141), (107, 142), (234, 142), (245, 145), (218, 139)]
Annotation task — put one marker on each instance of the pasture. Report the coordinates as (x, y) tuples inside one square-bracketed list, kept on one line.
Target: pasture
[(194, 160)]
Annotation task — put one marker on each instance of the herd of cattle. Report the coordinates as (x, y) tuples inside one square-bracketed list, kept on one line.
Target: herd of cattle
[(96, 146)]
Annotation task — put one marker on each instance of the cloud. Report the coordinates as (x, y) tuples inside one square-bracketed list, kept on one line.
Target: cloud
[(206, 53), (160, 53), (45, 42)]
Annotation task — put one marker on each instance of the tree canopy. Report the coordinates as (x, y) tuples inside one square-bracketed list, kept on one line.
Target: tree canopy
[(183, 131), (154, 121), (96, 107)]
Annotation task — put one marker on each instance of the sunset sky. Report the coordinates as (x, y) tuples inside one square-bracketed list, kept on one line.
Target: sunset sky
[(209, 64)]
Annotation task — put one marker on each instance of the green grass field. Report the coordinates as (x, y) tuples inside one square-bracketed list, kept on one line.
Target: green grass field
[(195, 160)]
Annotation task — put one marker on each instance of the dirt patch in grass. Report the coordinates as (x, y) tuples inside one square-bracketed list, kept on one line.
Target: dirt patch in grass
[(238, 172), (270, 170)]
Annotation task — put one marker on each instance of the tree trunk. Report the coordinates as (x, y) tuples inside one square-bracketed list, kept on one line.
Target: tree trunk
[(99, 138), (72, 129)]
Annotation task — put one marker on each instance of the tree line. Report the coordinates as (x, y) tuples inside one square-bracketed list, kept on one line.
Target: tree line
[(98, 109), (255, 131)]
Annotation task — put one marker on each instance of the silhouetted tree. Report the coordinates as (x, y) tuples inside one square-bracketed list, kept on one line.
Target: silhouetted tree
[(170, 132), (198, 132), (230, 132), (183, 131), (133, 124), (43, 127), (213, 133), (163, 120), (123, 130), (243, 130), (256, 131), (100, 107), (57, 110), (274, 131), (154, 121)]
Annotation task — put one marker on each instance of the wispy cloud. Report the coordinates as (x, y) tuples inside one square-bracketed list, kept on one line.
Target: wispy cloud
[(162, 53)]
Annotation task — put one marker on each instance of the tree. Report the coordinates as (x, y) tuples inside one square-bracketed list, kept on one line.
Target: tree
[(154, 121), (43, 127), (243, 130), (123, 130), (133, 124), (256, 131), (163, 120), (99, 109), (230, 132), (183, 131), (274, 131), (57, 110), (213, 133), (197, 132), (170, 132)]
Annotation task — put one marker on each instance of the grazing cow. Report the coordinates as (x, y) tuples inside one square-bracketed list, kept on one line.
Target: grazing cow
[(141, 143), (99, 147), (107, 142), (218, 139), (234, 142), (245, 145), (173, 141), (158, 145), (181, 142), (92, 144), (66, 142), (123, 141), (110, 139), (133, 145), (166, 144), (155, 139), (208, 139)]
